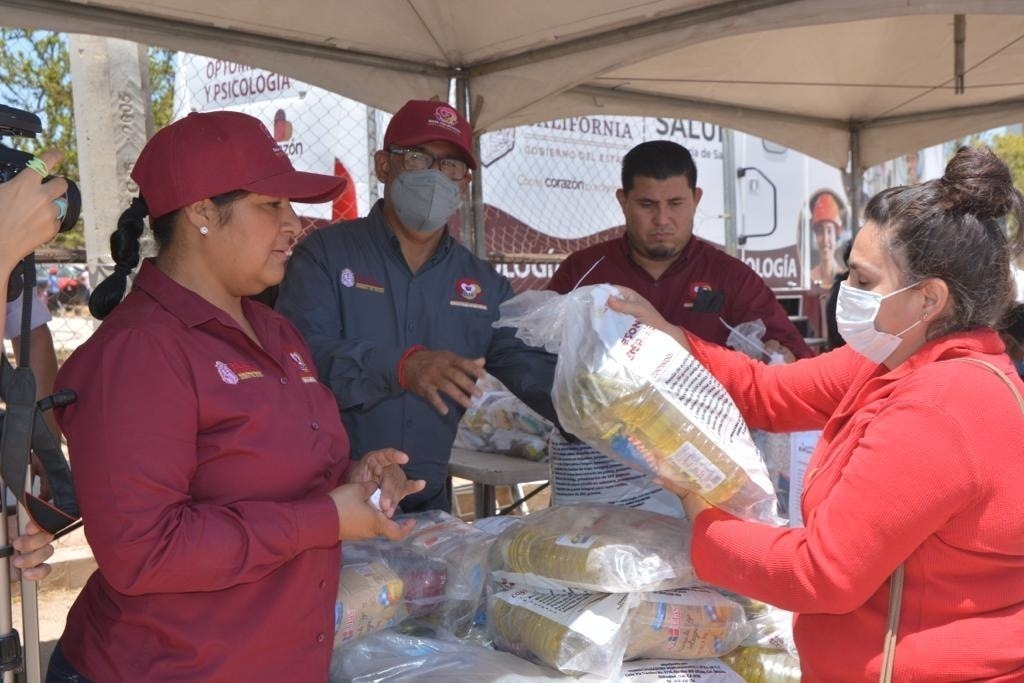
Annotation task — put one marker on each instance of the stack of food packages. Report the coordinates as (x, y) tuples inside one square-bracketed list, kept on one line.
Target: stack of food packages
[(498, 422), (581, 588), (574, 589)]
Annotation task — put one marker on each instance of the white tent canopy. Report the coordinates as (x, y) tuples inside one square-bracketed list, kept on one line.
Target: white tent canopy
[(826, 77)]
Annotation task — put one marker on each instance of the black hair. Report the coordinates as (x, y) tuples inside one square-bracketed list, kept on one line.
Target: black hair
[(953, 228), (124, 246), (658, 159)]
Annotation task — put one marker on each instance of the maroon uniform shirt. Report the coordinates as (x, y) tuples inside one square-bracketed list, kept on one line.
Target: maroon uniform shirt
[(700, 289), (202, 465)]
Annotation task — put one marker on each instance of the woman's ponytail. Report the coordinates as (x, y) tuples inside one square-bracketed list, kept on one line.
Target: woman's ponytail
[(124, 248)]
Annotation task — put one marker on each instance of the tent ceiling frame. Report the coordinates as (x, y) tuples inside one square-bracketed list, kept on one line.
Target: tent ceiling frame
[(136, 22), (685, 19), (851, 125), (632, 96)]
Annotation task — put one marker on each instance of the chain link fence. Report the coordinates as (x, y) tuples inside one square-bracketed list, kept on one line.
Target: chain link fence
[(547, 189)]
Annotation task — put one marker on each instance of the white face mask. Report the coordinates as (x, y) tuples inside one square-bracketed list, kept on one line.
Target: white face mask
[(856, 310)]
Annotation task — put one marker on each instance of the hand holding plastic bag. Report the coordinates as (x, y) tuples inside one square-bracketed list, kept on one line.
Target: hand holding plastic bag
[(635, 394)]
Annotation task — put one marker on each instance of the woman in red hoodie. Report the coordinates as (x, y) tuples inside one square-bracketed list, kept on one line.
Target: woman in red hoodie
[(921, 459)]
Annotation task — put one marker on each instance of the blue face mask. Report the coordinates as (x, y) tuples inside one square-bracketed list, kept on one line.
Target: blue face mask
[(424, 200), (856, 310)]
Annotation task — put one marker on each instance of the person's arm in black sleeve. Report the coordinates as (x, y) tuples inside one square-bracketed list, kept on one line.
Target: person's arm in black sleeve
[(528, 372), (357, 371)]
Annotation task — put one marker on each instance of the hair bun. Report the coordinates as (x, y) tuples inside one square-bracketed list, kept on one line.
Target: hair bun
[(977, 182)]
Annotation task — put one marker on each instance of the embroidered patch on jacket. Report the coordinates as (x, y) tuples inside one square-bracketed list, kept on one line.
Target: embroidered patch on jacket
[(236, 371), (348, 278), (467, 290), (304, 372), (369, 284)]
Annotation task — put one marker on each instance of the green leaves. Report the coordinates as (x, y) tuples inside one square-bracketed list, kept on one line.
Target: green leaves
[(35, 75)]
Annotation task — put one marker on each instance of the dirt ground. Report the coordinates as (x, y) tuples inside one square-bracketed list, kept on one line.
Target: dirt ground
[(53, 606)]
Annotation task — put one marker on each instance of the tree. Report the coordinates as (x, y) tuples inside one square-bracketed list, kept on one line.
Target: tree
[(1010, 148), (37, 78), (161, 83)]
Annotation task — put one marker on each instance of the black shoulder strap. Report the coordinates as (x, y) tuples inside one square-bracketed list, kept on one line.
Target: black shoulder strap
[(24, 430)]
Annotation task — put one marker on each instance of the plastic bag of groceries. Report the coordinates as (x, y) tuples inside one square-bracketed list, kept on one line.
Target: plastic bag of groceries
[(498, 422), (594, 547), (582, 474), (636, 395), (678, 671), (747, 338), (686, 623), (771, 628), (576, 633), (764, 666), (369, 599), (423, 578), (464, 549), (416, 652)]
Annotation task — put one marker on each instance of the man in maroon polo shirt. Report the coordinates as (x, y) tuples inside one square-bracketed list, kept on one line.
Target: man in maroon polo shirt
[(691, 282)]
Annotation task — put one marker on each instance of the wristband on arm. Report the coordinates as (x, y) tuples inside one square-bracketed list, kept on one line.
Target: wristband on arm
[(401, 363)]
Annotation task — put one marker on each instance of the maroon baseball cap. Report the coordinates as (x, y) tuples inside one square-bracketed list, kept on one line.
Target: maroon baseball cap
[(210, 153), (420, 121)]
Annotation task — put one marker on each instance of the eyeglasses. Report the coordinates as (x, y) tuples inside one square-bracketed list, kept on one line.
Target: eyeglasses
[(418, 159)]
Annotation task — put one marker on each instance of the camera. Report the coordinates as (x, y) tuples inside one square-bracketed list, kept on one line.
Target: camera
[(19, 123)]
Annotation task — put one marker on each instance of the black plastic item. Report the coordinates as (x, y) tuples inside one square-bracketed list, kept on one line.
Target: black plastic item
[(10, 651)]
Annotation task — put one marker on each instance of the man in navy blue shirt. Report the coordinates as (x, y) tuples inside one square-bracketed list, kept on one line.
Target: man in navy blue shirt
[(398, 314)]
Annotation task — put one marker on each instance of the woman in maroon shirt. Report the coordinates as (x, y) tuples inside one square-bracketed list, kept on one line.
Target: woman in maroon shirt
[(209, 463), (920, 462)]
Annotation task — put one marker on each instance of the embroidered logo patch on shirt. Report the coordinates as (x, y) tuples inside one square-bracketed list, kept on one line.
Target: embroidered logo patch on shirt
[(307, 376), (696, 288), (369, 284), (697, 291), (467, 290), (348, 278), (236, 371)]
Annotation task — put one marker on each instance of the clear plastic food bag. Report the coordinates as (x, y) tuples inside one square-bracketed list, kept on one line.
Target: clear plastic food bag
[(369, 599), (764, 666), (498, 422), (635, 394), (464, 549), (595, 547), (577, 633), (687, 623), (423, 578), (414, 653)]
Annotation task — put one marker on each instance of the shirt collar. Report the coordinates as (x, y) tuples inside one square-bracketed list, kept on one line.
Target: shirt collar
[(383, 232), (969, 343), (181, 302)]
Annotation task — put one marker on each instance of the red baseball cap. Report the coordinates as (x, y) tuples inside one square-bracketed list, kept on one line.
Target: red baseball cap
[(420, 121), (210, 153)]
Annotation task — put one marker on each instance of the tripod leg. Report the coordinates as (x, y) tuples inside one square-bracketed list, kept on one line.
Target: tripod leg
[(29, 606), (12, 641)]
